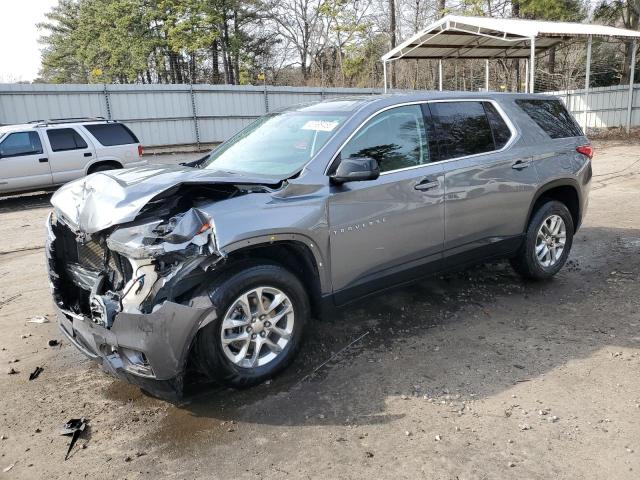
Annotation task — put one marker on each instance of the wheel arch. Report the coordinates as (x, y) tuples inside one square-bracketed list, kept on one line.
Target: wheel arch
[(296, 253), (564, 190), (98, 163)]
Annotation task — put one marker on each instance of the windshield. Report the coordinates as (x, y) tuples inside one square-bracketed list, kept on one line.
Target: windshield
[(276, 145)]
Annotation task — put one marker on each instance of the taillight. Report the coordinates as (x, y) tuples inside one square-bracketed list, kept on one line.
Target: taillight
[(140, 150), (586, 150)]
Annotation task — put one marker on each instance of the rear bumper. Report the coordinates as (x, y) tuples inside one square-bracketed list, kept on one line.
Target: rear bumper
[(148, 350)]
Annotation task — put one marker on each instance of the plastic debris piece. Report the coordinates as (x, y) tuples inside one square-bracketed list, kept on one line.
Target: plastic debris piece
[(38, 319), (36, 373), (73, 428)]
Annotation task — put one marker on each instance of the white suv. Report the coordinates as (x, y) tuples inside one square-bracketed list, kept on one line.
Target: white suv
[(44, 154)]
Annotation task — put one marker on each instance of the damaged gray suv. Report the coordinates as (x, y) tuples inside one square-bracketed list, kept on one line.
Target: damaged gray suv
[(218, 265)]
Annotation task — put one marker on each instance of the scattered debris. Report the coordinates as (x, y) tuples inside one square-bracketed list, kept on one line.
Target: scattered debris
[(38, 319), (6, 469), (368, 454), (12, 371), (525, 426), (553, 419), (73, 428), (36, 373), (438, 438), (407, 433), (512, 464), (53, 343)]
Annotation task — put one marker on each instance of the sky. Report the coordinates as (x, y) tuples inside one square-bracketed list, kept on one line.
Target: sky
[(19, 47)]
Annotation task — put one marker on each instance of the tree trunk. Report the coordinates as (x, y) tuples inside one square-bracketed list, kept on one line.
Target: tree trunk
[(442, 6), (215, 65), (552, 60), (515, 8), (236, 49)]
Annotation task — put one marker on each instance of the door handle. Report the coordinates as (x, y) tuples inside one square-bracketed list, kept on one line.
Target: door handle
[(427, 184), (43, 160), (521, 164), (88, 154)]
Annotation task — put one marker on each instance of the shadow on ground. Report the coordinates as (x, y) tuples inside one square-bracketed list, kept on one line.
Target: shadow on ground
[(25, 201), (466, 335)]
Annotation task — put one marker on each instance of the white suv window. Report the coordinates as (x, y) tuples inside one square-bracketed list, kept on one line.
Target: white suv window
[(62, 139), (21, 143)]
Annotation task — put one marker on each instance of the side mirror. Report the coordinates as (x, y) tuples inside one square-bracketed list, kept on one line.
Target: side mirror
[(356, 170)]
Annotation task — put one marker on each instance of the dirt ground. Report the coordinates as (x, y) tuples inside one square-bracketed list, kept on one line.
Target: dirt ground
[(474, 375)]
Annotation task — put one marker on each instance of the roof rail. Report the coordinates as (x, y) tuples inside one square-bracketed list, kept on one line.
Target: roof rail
[(56, 121)]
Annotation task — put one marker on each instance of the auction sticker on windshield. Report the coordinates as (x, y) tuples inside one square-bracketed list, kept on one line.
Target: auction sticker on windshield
[(320, 125)]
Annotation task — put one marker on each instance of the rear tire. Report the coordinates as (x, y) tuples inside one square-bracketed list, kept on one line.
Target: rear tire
[(104, 167), (547, 242), (275, 334)]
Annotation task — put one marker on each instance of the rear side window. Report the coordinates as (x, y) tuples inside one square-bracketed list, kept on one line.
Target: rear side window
[(500, 130), (552, 117), (463, 129), (62, 139), (109, 134), (21, 143)]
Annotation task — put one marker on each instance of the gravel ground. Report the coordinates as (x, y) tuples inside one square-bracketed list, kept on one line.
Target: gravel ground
[(472, 375)]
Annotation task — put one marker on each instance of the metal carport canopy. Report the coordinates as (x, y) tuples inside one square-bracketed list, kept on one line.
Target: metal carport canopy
[(455, 36)]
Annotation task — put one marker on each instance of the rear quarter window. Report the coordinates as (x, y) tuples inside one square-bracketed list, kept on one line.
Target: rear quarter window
[(109, 134), (552, 117)]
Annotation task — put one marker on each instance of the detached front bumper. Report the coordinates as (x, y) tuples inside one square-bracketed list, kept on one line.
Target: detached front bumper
[(149, 350)]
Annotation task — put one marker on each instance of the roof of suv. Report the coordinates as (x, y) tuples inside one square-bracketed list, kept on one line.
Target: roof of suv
[(52, 123), (354, 103)]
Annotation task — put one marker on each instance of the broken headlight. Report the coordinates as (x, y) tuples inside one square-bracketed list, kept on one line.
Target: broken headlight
[(191, 228), (183, 227)]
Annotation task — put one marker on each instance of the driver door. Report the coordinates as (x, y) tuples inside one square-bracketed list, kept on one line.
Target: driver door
[(387, 230)]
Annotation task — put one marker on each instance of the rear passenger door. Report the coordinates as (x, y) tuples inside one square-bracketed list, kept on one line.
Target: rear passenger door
[(23, 163), (71, 152), (489, 184)]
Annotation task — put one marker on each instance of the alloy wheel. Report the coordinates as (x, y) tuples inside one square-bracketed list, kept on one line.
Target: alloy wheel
[(257, 327), (550, 241)]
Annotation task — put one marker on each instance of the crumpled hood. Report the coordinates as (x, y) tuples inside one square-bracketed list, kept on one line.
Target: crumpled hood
[(104, 199)]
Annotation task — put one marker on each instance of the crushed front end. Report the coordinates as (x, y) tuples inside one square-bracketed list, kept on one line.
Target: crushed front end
[(125, 294)]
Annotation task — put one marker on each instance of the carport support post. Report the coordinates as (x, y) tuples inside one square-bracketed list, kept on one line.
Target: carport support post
[(532, 66), (526, 75), (631, 80), (587, 81), (486, 75), (384, 72), (440, 74)]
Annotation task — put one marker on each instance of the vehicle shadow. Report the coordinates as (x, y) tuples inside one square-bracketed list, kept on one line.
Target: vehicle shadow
[(26, 201), (462, 336)]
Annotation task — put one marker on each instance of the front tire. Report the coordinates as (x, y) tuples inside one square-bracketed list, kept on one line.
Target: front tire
[(262, 309), (547, 242)]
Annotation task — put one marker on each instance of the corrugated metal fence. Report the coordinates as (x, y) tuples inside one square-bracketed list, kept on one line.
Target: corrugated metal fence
[(160, 115), (607, 106), (177, 115)]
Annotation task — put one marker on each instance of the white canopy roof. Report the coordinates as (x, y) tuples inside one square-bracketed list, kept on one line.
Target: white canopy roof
[(455, 36)]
